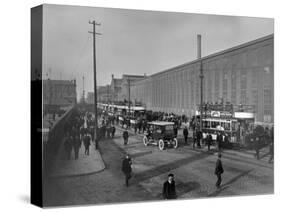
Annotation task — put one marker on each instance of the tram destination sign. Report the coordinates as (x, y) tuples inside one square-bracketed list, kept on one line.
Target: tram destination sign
[(218, 114)]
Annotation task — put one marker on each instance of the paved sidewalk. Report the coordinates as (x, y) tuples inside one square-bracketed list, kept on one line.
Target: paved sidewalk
[(85, 164)]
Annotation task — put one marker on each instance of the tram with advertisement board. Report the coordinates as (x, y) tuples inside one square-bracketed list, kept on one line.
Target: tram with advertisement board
[(231, 121)]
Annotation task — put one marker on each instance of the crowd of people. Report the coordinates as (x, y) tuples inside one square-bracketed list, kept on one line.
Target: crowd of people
[(223, 139), (80, 130)]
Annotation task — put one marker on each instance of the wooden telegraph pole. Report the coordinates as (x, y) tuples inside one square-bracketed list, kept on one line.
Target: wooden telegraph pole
[(94, 33), (129, 86), (201, 78), (83, 93)]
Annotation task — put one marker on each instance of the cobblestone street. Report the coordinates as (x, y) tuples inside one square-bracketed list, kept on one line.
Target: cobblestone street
[(193, 169)]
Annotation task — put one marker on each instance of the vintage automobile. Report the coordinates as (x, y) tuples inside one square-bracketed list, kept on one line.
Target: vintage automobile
[(160, 133)]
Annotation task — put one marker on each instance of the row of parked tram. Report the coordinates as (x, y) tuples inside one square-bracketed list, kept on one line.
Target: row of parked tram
[(160, 133), (234, 126)]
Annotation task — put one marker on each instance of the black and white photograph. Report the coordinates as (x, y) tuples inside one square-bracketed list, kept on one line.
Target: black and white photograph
[(141, 106)]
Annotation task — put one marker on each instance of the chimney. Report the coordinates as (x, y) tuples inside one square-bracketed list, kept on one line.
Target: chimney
[(198, 46), (112, 76)]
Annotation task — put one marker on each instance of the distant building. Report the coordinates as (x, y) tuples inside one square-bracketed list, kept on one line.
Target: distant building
[(128, 80), (119, 88), (115, 89), (103, 93), (90, 98), (58, 94)]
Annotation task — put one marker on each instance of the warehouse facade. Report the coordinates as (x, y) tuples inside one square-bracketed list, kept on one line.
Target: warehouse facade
[(243, 75)]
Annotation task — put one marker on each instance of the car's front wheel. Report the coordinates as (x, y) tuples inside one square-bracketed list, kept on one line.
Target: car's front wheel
[(145, 141), (161, 144), (175, 143)]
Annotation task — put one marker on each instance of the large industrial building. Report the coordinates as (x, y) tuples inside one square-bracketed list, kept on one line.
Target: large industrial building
[(243, 75)]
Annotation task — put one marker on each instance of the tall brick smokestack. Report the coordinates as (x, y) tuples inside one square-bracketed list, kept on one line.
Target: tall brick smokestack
[(198, 46)]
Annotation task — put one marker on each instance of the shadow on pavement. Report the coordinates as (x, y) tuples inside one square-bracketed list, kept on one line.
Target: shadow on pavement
[(168, 167), (184, 188), (228, 183)]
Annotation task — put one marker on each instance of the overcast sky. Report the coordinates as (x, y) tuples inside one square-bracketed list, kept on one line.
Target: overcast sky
[(133, 41)]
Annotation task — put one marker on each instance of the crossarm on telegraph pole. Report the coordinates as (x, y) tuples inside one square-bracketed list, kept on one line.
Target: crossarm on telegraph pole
[(94, 33)]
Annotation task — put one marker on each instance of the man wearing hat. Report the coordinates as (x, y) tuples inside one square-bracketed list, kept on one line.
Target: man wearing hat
[(169, 188), (219, 170), (127, 169)]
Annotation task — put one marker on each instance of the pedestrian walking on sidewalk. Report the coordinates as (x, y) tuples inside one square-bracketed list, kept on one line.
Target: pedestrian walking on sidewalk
[(169, 188), (140, 126), (87, 143), (219, 171), (92, 132), (68, 146), (198, 138), (219, 141), (112, 131), (271, 152), (108, 131), (185, 134), (125, 137), (136, 128), (127, 169), (77, 145), (194, 138), (257, 147), (209, 141)]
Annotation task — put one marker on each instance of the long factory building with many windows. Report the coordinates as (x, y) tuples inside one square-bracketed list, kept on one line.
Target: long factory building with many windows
[(243, 74)]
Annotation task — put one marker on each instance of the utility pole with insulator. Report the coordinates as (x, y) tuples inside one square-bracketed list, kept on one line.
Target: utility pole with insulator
[(201, 76), (94, 33), (129, 87), (107, 97), (83, 92)]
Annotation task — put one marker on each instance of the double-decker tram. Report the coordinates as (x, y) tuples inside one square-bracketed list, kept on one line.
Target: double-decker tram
[(230, 121)]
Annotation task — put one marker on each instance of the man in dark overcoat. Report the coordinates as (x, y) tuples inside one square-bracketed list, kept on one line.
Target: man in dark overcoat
[(257, 146), (125, 137), (194, 137), (76, 146), (127, 169), (219, 171), (198, 138), (112, 131), (169, 188), (87, 143), (219, 141), (209, 141), (185, 134)]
